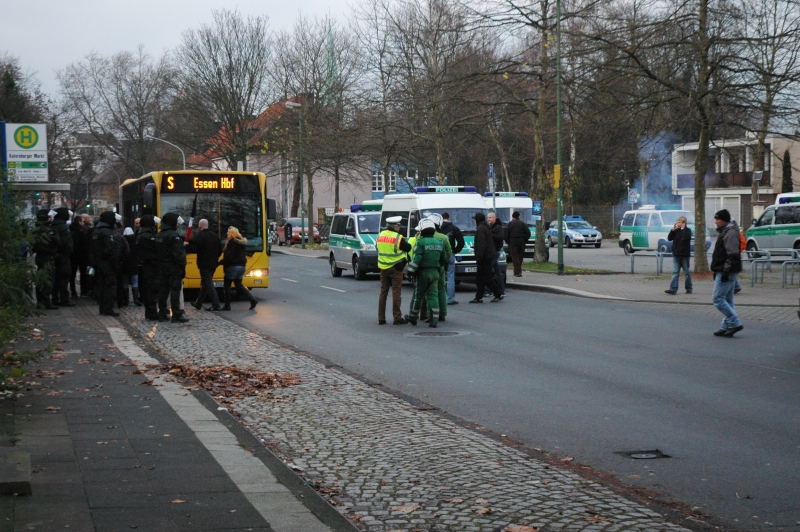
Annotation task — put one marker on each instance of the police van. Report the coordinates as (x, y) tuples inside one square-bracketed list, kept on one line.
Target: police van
[(352, 240), (778, 226), (460, 202), (648, 228), (504, 205)]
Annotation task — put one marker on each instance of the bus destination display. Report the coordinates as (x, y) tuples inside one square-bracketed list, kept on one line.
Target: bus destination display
[(218, 183)]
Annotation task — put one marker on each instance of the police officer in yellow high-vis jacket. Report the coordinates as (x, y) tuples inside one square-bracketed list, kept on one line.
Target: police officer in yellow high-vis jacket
[(392, 249)]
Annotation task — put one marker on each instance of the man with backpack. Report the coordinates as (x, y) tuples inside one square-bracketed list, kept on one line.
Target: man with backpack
[(456, 239)]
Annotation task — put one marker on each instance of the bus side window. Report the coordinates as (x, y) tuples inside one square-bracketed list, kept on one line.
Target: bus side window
[(641, 220)]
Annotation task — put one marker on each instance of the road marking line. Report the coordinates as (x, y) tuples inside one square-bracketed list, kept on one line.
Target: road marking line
[(250, 475), (334, 289), (290, 280)]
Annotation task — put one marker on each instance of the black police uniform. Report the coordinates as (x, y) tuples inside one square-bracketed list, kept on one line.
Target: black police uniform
[(63, 258), (105, 254), (172, 264), (148, 266), (45, 245)]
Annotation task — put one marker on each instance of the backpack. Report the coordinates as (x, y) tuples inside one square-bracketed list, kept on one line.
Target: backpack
[(742, 242)]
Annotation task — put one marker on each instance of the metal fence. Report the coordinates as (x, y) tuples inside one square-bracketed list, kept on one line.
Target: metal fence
[(605, 217)]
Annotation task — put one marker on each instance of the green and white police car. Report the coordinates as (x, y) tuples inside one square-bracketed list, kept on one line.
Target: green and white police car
[(778, 227), (648, 227), (352, 240)]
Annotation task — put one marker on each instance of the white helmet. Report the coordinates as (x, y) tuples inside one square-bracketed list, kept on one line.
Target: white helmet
[(118, 217), (180, 220), (156, 219), (426, 223), (436, 218)]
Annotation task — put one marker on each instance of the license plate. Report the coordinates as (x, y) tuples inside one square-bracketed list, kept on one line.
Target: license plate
[(471, 270), (218, 284)]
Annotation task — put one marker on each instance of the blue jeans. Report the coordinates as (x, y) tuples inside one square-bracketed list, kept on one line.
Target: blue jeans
[(678, 264), (498, 275), (723, 300), (451, 279)]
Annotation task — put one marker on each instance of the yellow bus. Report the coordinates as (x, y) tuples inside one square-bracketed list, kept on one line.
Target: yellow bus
[(225, 199)]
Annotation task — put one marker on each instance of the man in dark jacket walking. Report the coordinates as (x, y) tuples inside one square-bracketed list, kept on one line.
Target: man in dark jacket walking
[(456, 238), (726, 263), (172, 263), (105, 253), (484, 253), (63, 260), (45, 245), (148, 265), (518, 235), (497, 238), (681, 238), (208, 247)]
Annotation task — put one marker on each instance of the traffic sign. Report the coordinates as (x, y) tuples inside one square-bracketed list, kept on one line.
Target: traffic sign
[(491, 171), (633, 195), (25, 152)]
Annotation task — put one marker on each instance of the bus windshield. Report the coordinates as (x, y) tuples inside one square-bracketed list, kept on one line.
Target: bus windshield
[(369, 224), (222, 211), (525, 215), (461, 218)]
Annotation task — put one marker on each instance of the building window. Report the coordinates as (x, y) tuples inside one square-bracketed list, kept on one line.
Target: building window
[(377, 181)]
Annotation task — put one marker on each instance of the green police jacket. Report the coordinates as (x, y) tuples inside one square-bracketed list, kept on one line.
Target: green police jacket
[(429, 253)]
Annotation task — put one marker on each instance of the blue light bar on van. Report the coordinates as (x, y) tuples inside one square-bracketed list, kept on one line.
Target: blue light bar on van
[(506, 194), (427, 190), (574, 218), (355, 207), (788, 199)]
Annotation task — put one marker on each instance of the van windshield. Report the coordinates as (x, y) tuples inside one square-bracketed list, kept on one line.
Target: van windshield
[(461, 218), (670, 217), (369, 223)]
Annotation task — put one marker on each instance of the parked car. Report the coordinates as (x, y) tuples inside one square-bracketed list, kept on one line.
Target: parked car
[(293, 224), (576, 231)]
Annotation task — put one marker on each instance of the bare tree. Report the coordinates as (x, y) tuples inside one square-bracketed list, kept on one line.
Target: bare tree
[(224, 82), (120, 100)]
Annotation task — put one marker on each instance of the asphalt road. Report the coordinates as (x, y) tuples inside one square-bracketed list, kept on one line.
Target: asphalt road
[(581, 378)]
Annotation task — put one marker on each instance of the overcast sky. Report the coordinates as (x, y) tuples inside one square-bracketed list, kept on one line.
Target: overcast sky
[(48, 35)]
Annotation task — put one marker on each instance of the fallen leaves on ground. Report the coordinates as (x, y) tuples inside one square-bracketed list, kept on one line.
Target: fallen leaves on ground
[(520, 528), (406, 509), (567, 460), (231, 381), (177, 501), (454, 500), (484, 511), (53, 408), (481, 501)]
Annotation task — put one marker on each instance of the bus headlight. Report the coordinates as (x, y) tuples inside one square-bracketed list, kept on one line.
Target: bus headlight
[(368, 247), (258, 273)]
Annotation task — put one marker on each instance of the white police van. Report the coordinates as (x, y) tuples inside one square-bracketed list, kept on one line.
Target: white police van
[(648, 228), (504, 205), (460, 202), (352, 240), (778, 227)]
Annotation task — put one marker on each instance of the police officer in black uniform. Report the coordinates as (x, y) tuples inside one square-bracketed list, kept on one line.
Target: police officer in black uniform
[(148, 265), (63, 258), (45, 245), (105, 254), (172, 264)]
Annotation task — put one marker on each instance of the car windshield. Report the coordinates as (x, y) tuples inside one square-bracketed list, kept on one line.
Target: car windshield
[(504, 215), (369, 223), (578, 225), (222, 211), (461, 218), (669, 218)]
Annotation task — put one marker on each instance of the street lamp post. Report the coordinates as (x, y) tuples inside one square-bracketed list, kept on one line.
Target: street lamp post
[(151, 137), (295, 105), (560, 201)]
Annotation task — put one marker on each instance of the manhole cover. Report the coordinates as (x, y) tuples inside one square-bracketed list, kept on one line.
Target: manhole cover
[(436, 333), (644, 455)]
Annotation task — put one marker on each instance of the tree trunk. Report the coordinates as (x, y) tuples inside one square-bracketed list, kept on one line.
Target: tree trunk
[(296, 198), (310, 203), (336, 187), (701, 163), (541, 252)]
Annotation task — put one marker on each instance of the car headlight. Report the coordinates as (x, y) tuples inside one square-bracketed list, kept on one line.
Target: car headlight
[(258, 273), (368, 247)]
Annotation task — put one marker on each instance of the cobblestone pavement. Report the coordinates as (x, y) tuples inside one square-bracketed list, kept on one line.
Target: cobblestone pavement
[(385, 463)]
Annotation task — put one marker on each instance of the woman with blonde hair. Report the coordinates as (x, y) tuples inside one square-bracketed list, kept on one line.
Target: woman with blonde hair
[(234, 262)]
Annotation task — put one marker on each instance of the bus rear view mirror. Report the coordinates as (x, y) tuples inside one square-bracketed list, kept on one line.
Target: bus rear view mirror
[(149, 199)]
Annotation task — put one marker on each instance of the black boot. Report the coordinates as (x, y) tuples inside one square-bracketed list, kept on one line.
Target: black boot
[(178, 317), (162, 315), (136, 300)]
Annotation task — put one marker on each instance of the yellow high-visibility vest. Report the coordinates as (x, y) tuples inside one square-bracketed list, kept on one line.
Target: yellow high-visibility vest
[(388, 246)]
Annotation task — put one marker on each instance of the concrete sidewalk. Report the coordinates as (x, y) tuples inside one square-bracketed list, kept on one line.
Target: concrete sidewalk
[(114, 448)]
